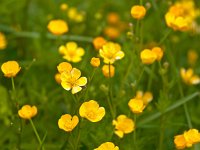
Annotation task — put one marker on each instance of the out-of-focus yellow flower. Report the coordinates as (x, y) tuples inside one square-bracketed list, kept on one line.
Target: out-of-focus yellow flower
[(72, 52), (91, 111), (72, 80), (95, 62), (147, 97), (159, 53), (179, 141), (138, 12), (74, 15), (27, 112), (108, 71), (112, 32), (189, 77), (113, 18), (63, 6), (136, 105), (58, 78), (98, 42), (67, 122), (107, 146), (57, 27), (147, 56), (123, 125), (10, 68), (111, 52), (64, 67), (192, 57), (3, 42)]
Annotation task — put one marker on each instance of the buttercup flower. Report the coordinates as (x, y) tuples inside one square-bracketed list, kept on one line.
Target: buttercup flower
[(108, 71), (112, 32), (107, 146), (180, 142), (123, 125), (64, 67), (189, 77), (192, 57), (73, 80), (63, 6), (67, 122), (3, 41), (91, 111), (95, 62), (136, 105), (147, 56), (111, 52), (138, 12), (98, 42), (27, 112), (10, 68), (113, 18), (147, 97), (57, 27), (72, 52), (159, 53), (75, 15)]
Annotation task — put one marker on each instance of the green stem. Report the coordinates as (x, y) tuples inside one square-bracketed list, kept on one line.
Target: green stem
[(165, 36), (134, 136), (36, 133)]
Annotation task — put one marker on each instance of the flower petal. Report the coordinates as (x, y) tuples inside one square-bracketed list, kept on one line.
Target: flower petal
[(81, 81), (66, 86), (75, 73), (71, 46), (76, 89)]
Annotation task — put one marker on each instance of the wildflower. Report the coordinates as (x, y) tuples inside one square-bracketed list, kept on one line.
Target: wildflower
[(3, 41), (58, 78), (91, 111), (112, 32), (147, 97), (138, 12), (113, 18), (27, 112), (159, 53), (10, 68), (192, 57), (98, 42), (147, 56), (111, 52), (74, 15), (72, 52), (136, 105), (123, 125), (72, 80), (189, 77), (95, 62), (63, 6), (107, 146), (57, 27), (67, 122), (64, 67), (180, 142), (108, 71)]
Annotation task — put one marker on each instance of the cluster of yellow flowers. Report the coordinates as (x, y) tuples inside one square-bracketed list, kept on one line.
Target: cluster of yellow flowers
[(3, 41), (149, 56), (189, 77), (181, 15), (187, 139)]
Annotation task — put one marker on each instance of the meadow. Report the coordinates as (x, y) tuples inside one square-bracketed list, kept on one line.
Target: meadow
[(99, 75)]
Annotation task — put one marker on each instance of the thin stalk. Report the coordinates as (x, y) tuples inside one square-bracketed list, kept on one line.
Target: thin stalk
[(134, 133), (165, 36)]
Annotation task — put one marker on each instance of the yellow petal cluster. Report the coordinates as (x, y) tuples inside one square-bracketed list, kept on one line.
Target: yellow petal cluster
[(187, 139), (123, 125), (57, 27), (107, 146), (95, 62), (181, 15), (3, 42), (138, 12), (189, 77), (108, 71), (67, 122), (98, 42), (27, 112), (71, 52), (10, 69), (111, 52), (91, 111)]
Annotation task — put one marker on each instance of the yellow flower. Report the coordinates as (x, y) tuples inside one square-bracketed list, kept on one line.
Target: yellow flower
[(180, 142), (91, 111), (64, 67), (136, 105), (57, 27), (112, 32), (63, 6), (159, 53), (147, 97), (72, 80), (10, 68), (192, 57), (3, 41), (58, 78), (138, 12), (111, 52), (189, 77), (95, 62), (71, 52), (98, 42), (108, 71), (67, 122), (107, 146), (123, 125), (191, 137), (74, 15), (113, 18), (27, 112), (147, 56)]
